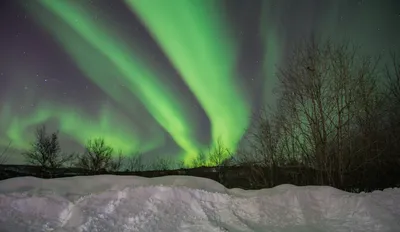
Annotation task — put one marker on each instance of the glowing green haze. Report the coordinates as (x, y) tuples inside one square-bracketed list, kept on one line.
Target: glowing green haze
[(191, 34), (273, 49), (98, 69), (141, 81), (80, 126)]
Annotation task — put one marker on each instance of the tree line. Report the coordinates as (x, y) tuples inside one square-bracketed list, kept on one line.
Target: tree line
[(337, 112), (98, 156)]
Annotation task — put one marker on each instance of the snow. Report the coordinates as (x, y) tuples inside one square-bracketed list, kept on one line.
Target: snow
[(182, 203)]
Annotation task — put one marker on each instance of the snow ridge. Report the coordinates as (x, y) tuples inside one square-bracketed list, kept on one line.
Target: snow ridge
[(111, 203)]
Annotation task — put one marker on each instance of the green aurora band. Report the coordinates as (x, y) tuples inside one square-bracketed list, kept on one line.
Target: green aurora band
[(194, 41), (86, 57), (163, 105), (71, 123), (195, 37)]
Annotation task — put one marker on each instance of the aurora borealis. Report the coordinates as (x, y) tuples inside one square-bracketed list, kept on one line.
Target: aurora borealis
[(166, 78)]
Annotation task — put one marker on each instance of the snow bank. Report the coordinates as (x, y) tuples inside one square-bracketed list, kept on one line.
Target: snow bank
[(181, 203)]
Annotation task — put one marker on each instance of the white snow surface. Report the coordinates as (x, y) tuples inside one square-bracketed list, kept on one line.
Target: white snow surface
[(181, 203)]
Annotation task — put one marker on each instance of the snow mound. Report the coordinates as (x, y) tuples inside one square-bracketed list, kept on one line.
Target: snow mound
[(182, 203)]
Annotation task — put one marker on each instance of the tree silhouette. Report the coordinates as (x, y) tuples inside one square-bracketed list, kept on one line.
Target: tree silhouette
[(98, 156), (4, 155), (46, 150)]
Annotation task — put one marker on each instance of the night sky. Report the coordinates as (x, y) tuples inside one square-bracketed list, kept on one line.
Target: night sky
[(164, 77)]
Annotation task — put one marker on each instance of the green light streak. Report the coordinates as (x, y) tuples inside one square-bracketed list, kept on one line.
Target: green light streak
[(111, 126), (191, 34), (142, 82), (100, 71)]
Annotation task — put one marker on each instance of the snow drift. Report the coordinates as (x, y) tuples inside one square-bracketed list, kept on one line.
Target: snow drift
[(181, 203)]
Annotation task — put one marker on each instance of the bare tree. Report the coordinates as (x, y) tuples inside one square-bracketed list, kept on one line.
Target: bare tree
[(264, 157), (393, 109), (4, 155), (98, 156), (393, 76), (218, 154), (323, 86), (304, 88), (117, 162), (180, 164), (46, 151), (135, 162), (162, 164), (200, 160)]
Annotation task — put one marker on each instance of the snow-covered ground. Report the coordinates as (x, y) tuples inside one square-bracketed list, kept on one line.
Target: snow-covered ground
[(181, 203)]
